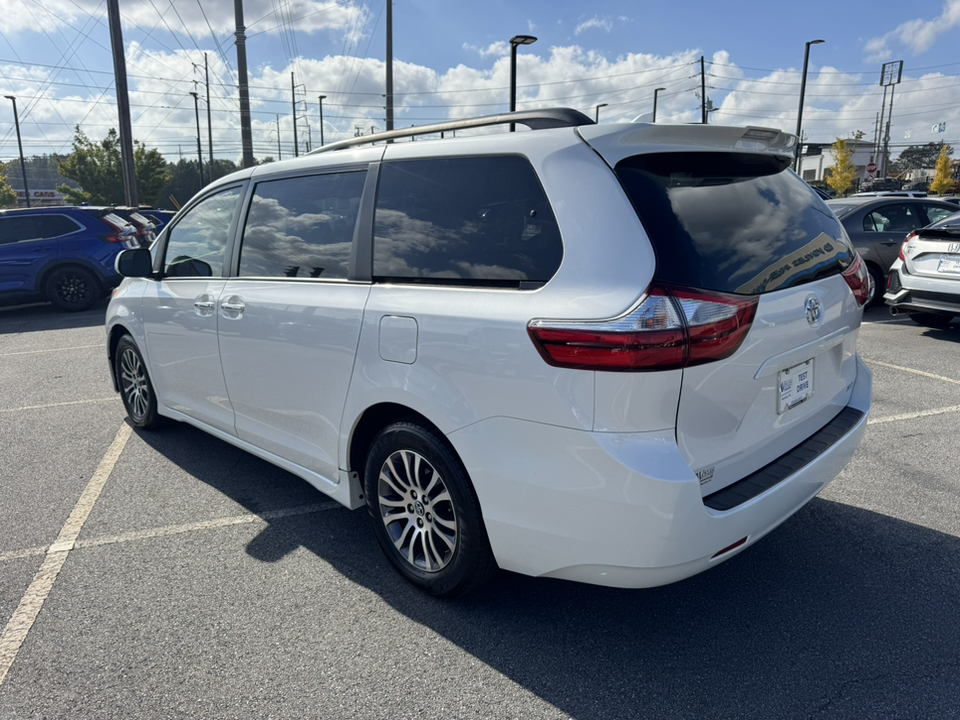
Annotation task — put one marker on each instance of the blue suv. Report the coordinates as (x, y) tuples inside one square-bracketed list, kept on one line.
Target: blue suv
[(64, 255)]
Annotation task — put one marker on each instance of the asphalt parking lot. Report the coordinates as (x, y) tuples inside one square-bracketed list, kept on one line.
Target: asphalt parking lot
[(168, 575)]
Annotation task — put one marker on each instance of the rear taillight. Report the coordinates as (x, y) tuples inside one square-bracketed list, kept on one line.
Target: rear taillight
[(115, 237), (671, 327), (903, 246), (858, 278)]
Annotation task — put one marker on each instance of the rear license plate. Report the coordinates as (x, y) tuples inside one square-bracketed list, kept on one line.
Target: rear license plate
[(796, 385), (949, 264)]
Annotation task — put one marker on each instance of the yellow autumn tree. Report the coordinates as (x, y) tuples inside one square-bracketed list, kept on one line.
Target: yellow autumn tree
[(843, 171), (942, 181)]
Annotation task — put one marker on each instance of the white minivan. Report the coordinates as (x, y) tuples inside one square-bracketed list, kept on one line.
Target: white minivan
[(615, 354)]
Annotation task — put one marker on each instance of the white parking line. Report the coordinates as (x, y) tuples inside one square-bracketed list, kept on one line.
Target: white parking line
[(53, 405), (263, 517), (26, 613), (69, 349), (914, 415), (912, 370)]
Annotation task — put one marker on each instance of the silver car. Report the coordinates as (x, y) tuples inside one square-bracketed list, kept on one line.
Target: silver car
[(878, 225), (925, 279)]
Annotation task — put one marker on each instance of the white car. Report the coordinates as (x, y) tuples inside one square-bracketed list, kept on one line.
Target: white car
[(616, 354), (924, 280)]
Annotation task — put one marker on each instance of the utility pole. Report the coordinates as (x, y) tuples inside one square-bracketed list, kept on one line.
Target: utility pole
[(703, 92), (246, 135), (123, 104), (23, 165), (321, 119), (293, 102), (206, 71), (389, 65), (279, 151), (196, 111)]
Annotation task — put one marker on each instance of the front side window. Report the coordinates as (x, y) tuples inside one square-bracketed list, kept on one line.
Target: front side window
[(733, 222), (464, 221), (302, 227), (196, 244)]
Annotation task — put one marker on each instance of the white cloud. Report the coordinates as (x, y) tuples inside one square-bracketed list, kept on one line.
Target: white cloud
[(594, 23), (916, 35)]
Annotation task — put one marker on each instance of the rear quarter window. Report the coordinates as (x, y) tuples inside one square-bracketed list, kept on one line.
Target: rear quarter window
[(481, 221), (733, 222)]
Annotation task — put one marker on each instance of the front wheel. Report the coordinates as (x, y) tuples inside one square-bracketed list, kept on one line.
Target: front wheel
[(72, 288), (932, 320), (424, 511), (137, 392)]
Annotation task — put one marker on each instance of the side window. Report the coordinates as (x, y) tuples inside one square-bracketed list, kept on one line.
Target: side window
[(19, 228), (196, 244), (466, 221), (936, 214), (893, 218), (54, 226), (302, 227)]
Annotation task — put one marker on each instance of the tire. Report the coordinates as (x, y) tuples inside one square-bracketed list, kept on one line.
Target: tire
[(72, 288), (424, 511), (879, 286), (932, 320), (136, 390)]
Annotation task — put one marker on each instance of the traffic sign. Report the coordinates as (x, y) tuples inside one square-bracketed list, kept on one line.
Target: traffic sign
[(871, 168)]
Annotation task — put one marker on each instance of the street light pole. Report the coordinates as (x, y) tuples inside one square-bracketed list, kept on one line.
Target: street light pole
[(655, 93), (196, 110), (803, 88), (23, 166), (514, 42), (597, 114), (321, 119)]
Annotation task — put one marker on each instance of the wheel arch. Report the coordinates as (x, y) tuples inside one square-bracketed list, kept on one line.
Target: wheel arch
[(374, 419), (59, 264), (116, 333)]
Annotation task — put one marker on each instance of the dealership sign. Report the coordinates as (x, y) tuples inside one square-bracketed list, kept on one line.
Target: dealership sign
[(41, 195)]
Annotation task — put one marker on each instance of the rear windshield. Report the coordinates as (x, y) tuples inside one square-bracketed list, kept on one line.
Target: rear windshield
[(733, 222)]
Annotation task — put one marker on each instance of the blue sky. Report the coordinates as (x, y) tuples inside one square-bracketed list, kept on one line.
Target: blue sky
[(451, 59)]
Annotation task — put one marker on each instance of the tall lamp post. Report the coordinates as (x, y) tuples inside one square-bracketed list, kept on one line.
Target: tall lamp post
[(196, 110), (514, 42), (597, 114), (23, 166), (803, 88), (321, 119), (655, 93)]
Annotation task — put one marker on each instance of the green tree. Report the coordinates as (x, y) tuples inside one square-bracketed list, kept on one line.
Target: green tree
[(843, 171), (917, 157), (943, 180), (96, 168), (8, 196)]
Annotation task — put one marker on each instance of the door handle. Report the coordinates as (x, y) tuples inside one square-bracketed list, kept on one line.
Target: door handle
[(232, 308), (204, 305)]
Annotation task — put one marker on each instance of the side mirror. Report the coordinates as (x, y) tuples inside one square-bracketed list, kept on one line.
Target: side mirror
[(137, 262)]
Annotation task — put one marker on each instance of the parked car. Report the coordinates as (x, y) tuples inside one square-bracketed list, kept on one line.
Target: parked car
[(877, 226), (925, 279), (893, 193), (887, 183), (616, 354), (160, 218), (64, 255), (953, 199)]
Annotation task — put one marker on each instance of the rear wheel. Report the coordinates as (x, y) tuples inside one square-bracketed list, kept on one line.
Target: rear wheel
[(72, 288), (879, 286), (135, 387), (424, 511), (932, 320)]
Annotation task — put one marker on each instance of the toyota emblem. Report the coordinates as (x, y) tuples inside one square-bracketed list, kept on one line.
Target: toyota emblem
[(812, 309)]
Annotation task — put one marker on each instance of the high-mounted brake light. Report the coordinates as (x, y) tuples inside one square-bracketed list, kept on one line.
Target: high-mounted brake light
[(858, 278), (671, 327)]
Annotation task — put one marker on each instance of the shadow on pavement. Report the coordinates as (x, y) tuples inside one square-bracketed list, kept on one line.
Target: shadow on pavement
[(839, 613), (44, 316)]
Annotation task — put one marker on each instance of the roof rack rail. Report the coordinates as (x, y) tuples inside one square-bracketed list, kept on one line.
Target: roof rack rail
[(533, 119)]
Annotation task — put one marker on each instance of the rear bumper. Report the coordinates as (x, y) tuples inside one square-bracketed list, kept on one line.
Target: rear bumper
[(624, 509), (912, 293)]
